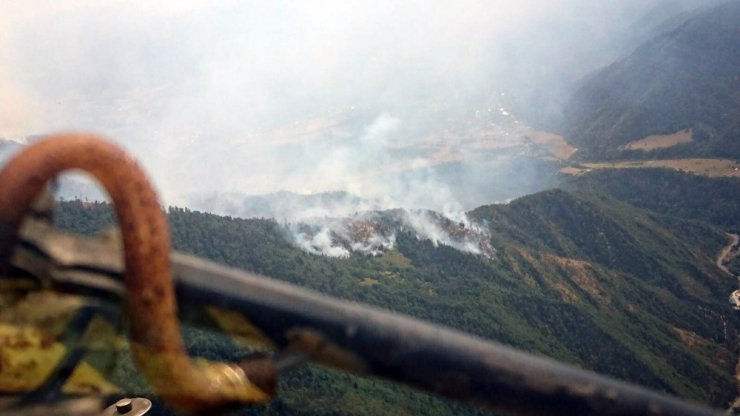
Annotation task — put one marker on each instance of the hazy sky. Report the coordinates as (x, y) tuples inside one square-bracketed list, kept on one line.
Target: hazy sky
[(306, 96)]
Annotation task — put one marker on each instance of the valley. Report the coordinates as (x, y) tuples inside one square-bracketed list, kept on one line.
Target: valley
[(567, 184)]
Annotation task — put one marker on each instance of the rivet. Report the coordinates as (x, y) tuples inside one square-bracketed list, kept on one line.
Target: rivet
[(124, 406)]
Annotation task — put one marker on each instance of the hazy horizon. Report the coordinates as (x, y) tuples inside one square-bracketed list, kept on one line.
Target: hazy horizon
[(378, 100)]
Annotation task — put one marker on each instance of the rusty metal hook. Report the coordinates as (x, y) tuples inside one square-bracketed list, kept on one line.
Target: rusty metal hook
[(156, 341)]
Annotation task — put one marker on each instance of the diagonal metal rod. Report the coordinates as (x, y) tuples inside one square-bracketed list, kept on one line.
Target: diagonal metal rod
[(414, 352), (366, 340)]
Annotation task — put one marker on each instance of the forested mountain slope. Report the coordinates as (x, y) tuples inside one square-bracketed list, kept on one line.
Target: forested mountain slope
[(668, 192), (685, 79), (578, 277)]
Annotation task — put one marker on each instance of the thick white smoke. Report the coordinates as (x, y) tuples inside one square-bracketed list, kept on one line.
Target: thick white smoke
[(243, 97), (414, 104), (375, 232)]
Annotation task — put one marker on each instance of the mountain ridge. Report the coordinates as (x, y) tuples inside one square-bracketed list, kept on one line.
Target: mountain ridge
[(686, 77), (646, 295)]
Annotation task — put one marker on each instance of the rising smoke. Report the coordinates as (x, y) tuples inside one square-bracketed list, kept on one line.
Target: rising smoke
[(401, 104), (375, 232)]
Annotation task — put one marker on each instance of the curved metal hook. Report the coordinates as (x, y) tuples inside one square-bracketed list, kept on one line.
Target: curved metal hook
[(156, 341)]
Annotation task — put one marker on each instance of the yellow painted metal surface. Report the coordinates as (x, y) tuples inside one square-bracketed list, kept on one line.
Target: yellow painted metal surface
[(27, 357), (239, 327), (87, 380), (32, 324)]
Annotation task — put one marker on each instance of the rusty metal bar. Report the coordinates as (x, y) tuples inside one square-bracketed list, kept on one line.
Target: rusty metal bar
[(151, 302), (443, 361)]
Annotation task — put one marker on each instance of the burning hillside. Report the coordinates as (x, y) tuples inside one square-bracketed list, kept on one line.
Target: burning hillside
[(374, 232)]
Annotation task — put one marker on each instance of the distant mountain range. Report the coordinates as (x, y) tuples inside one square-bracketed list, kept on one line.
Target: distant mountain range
[(684, 80)]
